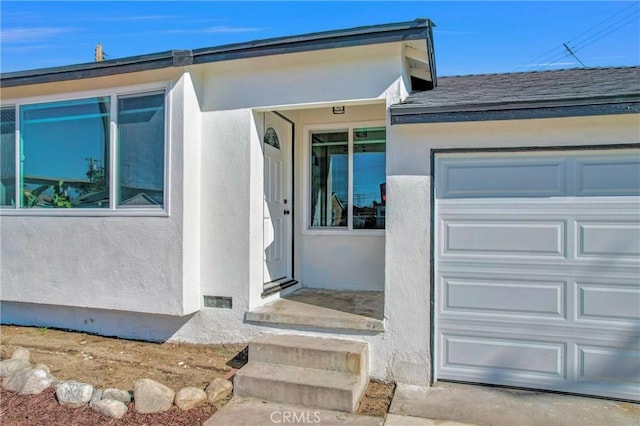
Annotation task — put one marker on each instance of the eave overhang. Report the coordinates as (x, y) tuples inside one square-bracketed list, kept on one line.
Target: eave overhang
[(419, 29), (408, 114)]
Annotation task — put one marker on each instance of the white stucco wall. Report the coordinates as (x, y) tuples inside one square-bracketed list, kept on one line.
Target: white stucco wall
[(165, 264), (231, 95), (225, 204), (155, 270), (306, 78), (408, 242), (326, 258), (117, 261), (190, 135)]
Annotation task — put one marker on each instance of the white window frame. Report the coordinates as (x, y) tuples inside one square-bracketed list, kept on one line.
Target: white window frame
[(113, 93), (307, 229)]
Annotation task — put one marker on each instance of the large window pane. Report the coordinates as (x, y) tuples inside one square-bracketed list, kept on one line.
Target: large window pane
[(8, 157), (369, 188), (329, 178), (141, 151), (65, 151)]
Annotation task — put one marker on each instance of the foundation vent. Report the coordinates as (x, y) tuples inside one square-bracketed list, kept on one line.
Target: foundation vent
[(217, 302)]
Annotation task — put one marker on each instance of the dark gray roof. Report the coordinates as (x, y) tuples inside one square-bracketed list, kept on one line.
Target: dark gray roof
[(582, 91), (373, 34)]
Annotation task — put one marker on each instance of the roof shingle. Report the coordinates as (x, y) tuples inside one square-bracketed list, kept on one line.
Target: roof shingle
[(509, 91)]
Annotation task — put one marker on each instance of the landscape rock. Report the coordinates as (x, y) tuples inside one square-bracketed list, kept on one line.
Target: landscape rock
[(110, 407), (74, 394), (43, 367), (21, 353), (117, 395), (190, 397), (218, 389), (97, 396), (28, 382), (151, 396), (9, 367)]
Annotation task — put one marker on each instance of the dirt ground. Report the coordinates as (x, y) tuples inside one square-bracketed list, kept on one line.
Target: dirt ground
[(112, 362)]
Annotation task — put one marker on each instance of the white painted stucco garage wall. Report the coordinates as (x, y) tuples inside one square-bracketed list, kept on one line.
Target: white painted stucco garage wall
[(408, 240)]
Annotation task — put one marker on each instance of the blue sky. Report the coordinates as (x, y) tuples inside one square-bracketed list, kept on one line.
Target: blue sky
[(470, 37)]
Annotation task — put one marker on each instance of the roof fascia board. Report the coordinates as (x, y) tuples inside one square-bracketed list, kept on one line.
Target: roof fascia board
[(518, 114), (408, 109), (217, 55), (97, 69), (374, 34), (431, 52)]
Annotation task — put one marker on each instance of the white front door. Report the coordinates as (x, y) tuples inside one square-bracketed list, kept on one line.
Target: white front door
[(277, 198)]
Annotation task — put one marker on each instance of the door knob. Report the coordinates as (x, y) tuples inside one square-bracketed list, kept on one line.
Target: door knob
[(286, 212)]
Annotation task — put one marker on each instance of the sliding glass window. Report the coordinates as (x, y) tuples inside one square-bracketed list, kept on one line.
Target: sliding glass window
[(348, 174), (369, 174), (329, 178), (65, 154), (105, 152), (141, 150), (8, 157)]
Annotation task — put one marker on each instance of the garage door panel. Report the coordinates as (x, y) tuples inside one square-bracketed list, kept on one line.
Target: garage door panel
[(487, 297), (614, 365), (497, 177), (618, 175), (504, 237), (590, 209), (539, 287), (618, 239), (608, 302), (492, 355)]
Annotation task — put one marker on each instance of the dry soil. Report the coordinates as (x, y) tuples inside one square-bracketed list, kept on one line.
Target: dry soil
[(113, 362)]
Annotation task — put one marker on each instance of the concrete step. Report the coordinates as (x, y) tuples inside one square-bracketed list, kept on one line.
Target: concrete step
[(326, 389), (311, 352)]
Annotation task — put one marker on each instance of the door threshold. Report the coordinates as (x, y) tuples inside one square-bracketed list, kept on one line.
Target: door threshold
[(278, 285)]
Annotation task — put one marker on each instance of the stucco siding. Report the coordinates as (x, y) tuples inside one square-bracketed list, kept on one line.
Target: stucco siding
[(408, 237), (325, 258), (120, 262), (225, 201), (61, 260), (191, 136), (344, 74)]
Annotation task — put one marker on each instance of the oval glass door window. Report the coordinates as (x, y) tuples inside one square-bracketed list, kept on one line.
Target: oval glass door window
[(271, 138)]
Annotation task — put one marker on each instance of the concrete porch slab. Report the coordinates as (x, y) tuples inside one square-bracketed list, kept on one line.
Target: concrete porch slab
[(350, 310), (485, 405), (252, 412)]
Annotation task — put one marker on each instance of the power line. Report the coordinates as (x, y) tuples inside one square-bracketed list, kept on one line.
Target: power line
[(545, 54), (591, 40), (558, 52), (603, 21), (588, 41)]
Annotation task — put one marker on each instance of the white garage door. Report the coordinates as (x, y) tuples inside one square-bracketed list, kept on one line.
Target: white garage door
[(537, 270)]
